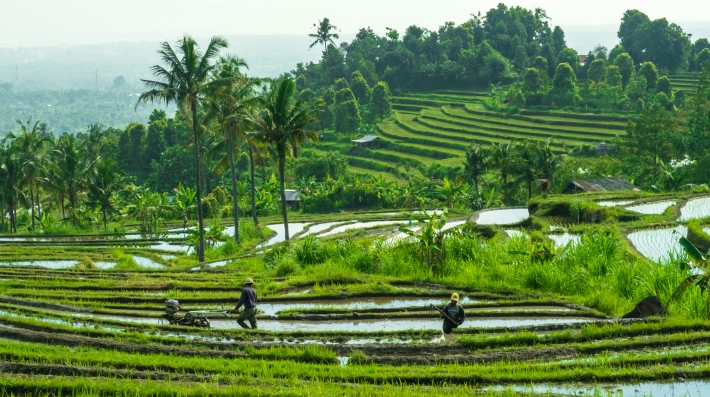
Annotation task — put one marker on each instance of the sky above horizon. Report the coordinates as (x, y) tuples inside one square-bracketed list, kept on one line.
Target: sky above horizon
[(75, 22)]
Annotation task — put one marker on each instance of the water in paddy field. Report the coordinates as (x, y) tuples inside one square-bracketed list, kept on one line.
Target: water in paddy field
[(659, 244), (699, 388), (147, 263), (562, 240), (370, 325), (359, 303), (315, 229), (49, 264), (694, 209), (362, 225), (652, 208), (505, 216), (293, 229), (613, 203)]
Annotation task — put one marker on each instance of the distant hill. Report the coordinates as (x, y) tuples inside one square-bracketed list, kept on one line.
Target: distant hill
[(77, 67)]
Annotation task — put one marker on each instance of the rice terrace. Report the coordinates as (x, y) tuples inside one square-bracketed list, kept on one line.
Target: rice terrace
[(474, 208)]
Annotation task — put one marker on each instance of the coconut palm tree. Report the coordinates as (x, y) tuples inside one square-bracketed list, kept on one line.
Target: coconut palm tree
[(185, 80), (31, 149), (476, 164), (107, 179), (230, 109), (70, 171), (323, 35), (10, 179), (502, 160), (280, 123)]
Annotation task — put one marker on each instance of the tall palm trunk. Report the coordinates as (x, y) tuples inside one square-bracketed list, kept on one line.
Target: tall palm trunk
[(32, 204), (39, 204), (200, 220), (105, 219), (282, 166), (253, 187), (235, 191)]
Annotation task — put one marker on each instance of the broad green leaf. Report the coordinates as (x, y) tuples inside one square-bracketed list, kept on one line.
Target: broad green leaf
[(691, 250)]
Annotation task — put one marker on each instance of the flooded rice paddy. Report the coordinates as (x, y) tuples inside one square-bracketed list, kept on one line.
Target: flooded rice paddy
[(652, 208), (614, 203), (695, 209), (505, 216), (659, 245)]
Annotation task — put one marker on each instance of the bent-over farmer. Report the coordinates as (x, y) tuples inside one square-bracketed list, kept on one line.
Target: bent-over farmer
[(455, 312), (248, 300)]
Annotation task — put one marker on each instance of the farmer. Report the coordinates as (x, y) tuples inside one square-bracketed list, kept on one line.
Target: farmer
[(455, 312), (248, 299)]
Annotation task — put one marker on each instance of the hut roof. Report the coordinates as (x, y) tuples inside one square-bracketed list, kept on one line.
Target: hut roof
[(366, 138), (292, 195), (600, 185)]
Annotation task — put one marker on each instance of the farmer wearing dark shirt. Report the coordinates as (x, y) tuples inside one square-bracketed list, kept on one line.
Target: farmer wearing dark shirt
[(248, 299), (455, 312)]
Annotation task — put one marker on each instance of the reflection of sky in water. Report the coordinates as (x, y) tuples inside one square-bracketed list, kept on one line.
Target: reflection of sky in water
[(651, 208), (657, 389), (658, 244), (370, 325), (49, 264), (694, 209), (561, 240), (361, 303), (613, 203), (293, 229), (506, 216)]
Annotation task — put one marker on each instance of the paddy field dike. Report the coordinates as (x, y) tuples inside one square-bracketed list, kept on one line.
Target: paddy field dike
[(345, 307)]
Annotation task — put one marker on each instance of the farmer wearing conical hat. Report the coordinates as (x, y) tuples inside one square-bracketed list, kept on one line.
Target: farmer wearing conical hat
[(453, 314), (248, 300)]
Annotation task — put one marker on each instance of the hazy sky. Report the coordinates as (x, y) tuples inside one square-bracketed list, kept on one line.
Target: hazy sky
[(52, 22)]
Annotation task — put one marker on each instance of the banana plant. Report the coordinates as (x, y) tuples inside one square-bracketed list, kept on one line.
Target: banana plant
[(699, 265), (430, 238)]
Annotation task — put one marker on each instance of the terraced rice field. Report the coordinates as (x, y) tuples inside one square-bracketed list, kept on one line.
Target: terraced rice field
[(323, 332), (314, 342), (684, 82), (440, 126)]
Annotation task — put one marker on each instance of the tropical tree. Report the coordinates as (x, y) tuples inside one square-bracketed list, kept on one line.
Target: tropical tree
[(476, 164), (281, 122), (230, 108), (323, 33), (33, 157), (107, 180), (185, 80), (10, 178), (70, 171), (184, 200), (502, 155)]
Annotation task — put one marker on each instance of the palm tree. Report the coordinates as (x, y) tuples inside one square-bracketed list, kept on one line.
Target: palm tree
[(255, 158), (525, 164), (476, 164), (280, 123), (70, 171), (30, 148), (106, 180), (502, 160), (230, 109), (10, 179), (185, 81), (323, 35)]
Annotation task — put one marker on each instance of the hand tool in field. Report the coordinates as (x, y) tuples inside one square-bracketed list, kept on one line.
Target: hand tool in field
[(446, 315), (193, 318)]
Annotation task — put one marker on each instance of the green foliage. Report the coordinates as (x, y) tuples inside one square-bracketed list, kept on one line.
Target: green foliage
[(320, 166), (381, 100), (626, 68), (650, 73), (563, 92), (597, 71)]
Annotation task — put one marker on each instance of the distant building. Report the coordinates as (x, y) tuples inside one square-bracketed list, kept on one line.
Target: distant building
[(368, 141), (582, 59), (599, 185), (293, 199)]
